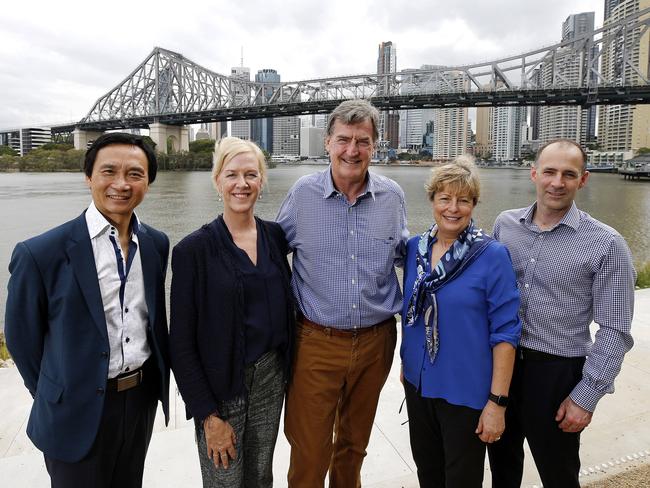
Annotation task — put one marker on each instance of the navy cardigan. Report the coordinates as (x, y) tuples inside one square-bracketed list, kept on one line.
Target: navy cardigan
[(207, 337)]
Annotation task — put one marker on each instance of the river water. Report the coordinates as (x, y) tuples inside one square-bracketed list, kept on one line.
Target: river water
[(178, 203)]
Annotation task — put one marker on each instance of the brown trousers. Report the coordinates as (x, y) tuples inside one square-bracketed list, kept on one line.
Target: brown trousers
[(334, 389)]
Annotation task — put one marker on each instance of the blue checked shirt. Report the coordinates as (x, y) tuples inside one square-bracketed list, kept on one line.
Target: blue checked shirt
[(578, 272), (344, 255)]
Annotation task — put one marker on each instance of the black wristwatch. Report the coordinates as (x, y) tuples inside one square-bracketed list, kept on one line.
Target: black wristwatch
[(500, 400)]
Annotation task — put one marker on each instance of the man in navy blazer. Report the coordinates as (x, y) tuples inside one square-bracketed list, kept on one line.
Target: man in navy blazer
[(87, 327)]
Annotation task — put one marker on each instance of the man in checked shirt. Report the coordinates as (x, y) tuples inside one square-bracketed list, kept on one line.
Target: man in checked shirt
[(571, 269), (347, 229)]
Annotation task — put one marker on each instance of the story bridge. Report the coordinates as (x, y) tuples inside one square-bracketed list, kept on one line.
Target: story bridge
[(168, 91)]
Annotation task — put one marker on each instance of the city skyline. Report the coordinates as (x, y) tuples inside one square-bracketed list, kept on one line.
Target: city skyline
[(55, 62)]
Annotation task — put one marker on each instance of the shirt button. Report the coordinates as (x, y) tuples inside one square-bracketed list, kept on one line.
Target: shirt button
[(354, 305), (351, 232), (353, 282), (104, 354), (126, 310), (100, 391), (128, 339), (352, 257), (532, 260), (526, 285), (127, 369)]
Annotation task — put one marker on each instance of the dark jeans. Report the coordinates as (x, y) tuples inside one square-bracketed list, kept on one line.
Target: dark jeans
[(255, 420), (446, 451), (537, 389), (116, 459)]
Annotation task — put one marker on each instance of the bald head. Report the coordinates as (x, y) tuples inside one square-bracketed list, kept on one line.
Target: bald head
[(564, 145)]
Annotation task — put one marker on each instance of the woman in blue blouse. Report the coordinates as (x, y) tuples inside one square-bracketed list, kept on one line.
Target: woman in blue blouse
[(232, 324), (460, 329)]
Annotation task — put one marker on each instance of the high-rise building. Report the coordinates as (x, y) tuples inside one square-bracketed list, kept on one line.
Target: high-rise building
[(262, 129), (388, 120), (286, 136), (506, 132), (451, 126), (625, 127), (483, 142), (240, 128), (413, 122), (569, 122), (312, 142)]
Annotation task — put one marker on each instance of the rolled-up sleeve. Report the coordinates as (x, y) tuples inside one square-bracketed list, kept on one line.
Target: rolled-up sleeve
[(502, 298)]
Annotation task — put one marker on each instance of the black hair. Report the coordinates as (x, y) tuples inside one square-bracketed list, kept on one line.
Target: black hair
[(121, 138)]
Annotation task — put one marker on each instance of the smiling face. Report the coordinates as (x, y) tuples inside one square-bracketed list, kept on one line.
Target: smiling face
[(119, 182), (452, 211), (240, 183), (350, 147), (558, 174)]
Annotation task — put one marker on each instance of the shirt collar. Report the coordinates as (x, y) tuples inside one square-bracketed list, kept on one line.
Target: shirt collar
[(570, 219), (329, 189), (97, 223)]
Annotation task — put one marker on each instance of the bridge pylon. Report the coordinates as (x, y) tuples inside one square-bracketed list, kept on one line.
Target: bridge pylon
[(178, 135)]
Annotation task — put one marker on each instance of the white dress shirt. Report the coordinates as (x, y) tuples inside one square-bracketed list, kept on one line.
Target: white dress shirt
[(122, 288)]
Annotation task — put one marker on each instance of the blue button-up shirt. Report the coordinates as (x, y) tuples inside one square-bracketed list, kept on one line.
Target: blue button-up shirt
[(578, 271), (344, 254)]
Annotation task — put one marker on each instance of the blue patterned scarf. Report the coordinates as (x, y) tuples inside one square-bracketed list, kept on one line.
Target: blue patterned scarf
[(468, 246)]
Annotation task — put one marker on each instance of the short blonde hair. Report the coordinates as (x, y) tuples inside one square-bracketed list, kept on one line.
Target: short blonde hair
[(229, 147), (460, 176)]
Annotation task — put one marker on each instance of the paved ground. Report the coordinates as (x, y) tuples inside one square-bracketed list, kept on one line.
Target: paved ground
[(615, 448)]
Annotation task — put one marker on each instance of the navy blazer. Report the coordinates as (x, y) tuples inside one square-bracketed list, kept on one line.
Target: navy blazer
[(56, 332)]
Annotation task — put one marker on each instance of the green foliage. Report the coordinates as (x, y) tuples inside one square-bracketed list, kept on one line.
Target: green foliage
[(643, 275), (55, 146), (202, 146), (44, 160), (643, 150), (149, 141), (7, 151), (4, 352), (184, 161)]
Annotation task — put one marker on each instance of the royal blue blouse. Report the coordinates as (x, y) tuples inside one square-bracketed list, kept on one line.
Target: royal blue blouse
[(476, 311)]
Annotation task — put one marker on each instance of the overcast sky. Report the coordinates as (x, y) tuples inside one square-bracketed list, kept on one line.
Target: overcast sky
[(58, 57)]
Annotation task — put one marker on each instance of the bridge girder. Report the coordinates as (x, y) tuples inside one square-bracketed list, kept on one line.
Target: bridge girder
[(169, 88)]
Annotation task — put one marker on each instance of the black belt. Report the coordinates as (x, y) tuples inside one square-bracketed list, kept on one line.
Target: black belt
[(533, 355), (126, 381)]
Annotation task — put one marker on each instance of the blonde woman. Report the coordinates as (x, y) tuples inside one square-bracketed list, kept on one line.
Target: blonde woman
[(232, 325)]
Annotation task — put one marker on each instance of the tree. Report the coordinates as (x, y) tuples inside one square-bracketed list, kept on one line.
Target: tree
[(56, 146), (643, 150), (202, 146), (7, 151)]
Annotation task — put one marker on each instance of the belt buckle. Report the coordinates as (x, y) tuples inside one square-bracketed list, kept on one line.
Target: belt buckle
[(128, 382)]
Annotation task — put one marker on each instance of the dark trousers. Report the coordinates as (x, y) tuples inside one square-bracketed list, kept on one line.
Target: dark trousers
[(538, 387), (116, 459), (255, 418), (446, 450)]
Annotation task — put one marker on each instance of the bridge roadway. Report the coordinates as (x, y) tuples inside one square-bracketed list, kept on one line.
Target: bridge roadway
[(522, 97)]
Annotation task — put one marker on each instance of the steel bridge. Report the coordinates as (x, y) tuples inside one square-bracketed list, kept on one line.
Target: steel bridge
[(169, 89)]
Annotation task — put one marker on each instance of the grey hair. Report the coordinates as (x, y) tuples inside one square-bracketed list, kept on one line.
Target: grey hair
[(355, 112)]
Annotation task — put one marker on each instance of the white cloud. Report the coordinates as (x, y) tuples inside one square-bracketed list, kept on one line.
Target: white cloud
[(57, 58)]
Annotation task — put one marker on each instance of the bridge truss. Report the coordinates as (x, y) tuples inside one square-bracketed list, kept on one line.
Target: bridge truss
[(169, 88)]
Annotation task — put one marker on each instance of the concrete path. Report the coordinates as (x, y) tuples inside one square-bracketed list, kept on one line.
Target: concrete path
[(617, 440)]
